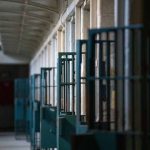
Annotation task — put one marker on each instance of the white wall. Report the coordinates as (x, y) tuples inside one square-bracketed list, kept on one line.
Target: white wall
[(8, 59)]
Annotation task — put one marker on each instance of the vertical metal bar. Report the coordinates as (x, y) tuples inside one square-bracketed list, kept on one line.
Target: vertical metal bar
[(54, 86), (69, 64), (42, 98), (41, 87), (68, 87), (108, 80), (132, 74), (67, 83), (116, 74), (64, 86), (73, 86), (91, 84), (59, 73), (123, 80), (59, 84), (63, 78), (34, 91), (145, 49), (46, 101), (145, 91), (66, 96), (132, 36), (50, 71), (64, 75), (49, 88), (45, 87), (48, 85), (148, 78), (101, 81), (78, 82), (148, 51)]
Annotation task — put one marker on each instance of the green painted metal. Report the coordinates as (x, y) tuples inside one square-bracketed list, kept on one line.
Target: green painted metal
[(48, 127), (30, 109), (48, 109), (114, 50), (37, 115), (28, 112), (20, 119), (21, 116), (35, 110), (106, 72), (66, 118), (66, 129), (81, 124)]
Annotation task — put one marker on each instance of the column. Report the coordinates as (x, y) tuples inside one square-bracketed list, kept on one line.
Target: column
[(93, 13), (77, 23), (59, 41), (67, 36)]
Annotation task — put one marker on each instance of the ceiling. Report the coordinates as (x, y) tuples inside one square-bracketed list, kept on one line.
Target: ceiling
[(25, 23)]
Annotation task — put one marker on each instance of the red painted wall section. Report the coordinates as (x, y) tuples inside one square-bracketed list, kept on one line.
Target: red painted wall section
[(6, 93)]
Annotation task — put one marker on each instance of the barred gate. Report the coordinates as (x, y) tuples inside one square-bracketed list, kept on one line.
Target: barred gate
[(48, 109), (35, 98), (117, 87), (81, 118), (65, 99), (114, 70), (21, 97)]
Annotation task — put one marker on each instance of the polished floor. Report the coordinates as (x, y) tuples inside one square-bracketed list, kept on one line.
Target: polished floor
[(9, 142)]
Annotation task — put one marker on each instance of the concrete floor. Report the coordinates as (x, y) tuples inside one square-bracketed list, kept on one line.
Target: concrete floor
[(8, 142)]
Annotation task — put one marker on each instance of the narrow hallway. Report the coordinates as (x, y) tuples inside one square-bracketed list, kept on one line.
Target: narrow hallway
[(8, 142), (74, 75)]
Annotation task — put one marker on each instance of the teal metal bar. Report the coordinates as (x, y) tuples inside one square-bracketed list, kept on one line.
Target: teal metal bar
[(66, 117), (108, 106), (21, 116), (81, 124), (48, 109), (35, 98)]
